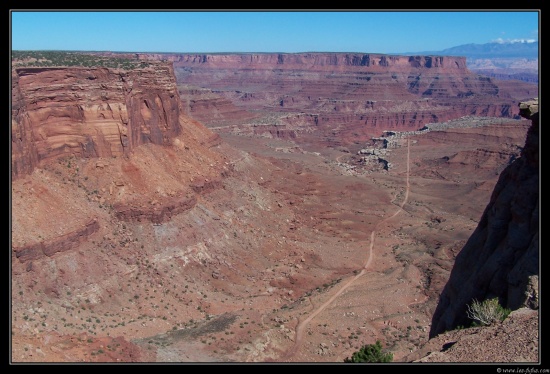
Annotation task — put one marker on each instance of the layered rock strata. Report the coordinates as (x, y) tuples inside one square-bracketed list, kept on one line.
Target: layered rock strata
[(63, 243), (87, 125), (90, 112), (342, 96)]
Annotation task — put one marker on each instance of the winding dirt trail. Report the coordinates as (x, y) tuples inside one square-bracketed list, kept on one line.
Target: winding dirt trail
[(303, 324)]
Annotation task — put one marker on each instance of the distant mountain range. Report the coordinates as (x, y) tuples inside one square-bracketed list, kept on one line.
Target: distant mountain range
[(522, 49)]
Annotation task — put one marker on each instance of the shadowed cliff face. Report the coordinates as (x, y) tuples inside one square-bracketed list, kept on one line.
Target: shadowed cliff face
[(501, 258), (90, 112)]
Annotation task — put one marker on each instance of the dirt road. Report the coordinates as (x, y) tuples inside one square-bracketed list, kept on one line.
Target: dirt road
[(370, 256)]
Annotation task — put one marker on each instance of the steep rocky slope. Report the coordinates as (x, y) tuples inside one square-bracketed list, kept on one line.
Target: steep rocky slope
[(514, 340), (497, 261), (91, 120), (501, 258)]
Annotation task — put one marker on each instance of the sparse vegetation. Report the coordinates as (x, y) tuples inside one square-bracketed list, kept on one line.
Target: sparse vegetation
[(370, 353), (82, 59), (487, 312)]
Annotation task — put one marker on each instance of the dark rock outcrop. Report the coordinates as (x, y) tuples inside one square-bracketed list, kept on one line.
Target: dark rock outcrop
[(155, 214), (60, 244), (501, 258)]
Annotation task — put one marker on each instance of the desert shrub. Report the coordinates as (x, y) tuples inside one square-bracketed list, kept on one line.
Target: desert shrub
[(487, 312), (370, 353)]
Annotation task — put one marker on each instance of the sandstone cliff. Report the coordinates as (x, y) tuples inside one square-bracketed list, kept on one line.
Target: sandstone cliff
[(90, 112), (501, 258), (92, 122), (322, 61), (313, 60)]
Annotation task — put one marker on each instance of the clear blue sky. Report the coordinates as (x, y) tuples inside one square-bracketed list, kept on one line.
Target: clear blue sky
[(267, 31)]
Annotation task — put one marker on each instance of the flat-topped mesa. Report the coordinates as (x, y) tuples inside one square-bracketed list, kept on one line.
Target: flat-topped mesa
[(90, 112), (318, 61)]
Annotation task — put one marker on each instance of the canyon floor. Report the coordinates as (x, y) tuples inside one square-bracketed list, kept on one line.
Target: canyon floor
[(298, 254)]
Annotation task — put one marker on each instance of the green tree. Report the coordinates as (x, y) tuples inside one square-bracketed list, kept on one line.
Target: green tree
[(370, 353)]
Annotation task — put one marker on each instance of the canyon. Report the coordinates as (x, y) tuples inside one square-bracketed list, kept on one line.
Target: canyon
[(249, 207), (344, 98)]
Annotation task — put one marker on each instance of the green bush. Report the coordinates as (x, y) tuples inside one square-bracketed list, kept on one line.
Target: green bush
[(487, 312), (370, 353)]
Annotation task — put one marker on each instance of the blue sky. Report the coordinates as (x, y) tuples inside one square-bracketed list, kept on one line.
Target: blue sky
[(267, 31)]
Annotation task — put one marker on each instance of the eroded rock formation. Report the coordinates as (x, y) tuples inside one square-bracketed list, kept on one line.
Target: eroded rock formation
[(91, 122), (90, 112), (501, 258), (339, 97)]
